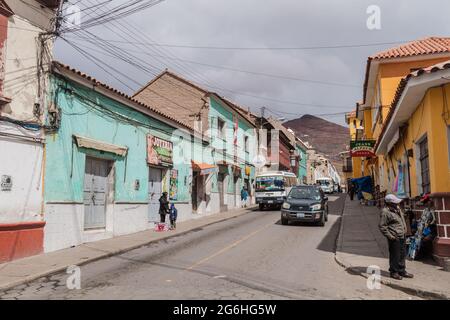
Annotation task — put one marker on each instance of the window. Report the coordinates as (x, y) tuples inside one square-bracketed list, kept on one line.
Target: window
[(246, 147), (424, 166), (221, 128)]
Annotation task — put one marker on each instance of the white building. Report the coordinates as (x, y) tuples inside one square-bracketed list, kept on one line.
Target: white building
[(24, 60)]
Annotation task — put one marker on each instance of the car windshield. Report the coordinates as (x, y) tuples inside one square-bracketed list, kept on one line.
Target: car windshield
[(269, 184), (323, 182), (304, 193)]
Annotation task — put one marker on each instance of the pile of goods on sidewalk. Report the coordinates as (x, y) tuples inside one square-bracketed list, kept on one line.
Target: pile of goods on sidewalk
[(423, 230)]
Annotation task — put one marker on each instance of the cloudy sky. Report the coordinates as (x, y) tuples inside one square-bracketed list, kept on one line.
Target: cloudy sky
[(272, 53)]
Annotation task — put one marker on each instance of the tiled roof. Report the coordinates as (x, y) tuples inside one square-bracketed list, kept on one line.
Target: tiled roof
[(96, 82), (430, 45), (401, 88), (181, 97)]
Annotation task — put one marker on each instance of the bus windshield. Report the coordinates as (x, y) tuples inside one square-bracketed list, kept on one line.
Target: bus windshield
[(270, 184), (323, 182)]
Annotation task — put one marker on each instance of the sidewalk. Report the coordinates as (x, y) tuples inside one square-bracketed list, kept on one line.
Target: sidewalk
[(21, 271), (361, 244)]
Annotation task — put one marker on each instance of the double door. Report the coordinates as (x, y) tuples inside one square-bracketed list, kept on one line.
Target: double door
[(95, 197)]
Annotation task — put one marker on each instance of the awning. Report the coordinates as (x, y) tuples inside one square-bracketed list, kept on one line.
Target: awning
[(203, 168), (236, 169), (88, 143)]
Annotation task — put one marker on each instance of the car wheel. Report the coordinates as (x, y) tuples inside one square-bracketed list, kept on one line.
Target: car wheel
[(261, 207), (326, 216), (284, 221)]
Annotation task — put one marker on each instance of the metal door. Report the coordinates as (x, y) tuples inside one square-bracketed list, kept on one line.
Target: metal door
[(95, 193), (154, 193)]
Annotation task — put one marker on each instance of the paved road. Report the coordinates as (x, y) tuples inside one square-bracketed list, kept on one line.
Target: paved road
[(249, 257)]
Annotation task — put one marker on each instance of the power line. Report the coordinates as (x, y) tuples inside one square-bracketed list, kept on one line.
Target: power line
[(209, 47), (252, 72)]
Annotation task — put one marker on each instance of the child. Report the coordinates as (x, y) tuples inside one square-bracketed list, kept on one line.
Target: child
[(173, 217)]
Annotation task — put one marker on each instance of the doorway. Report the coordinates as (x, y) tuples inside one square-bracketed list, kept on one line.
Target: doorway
[(96, 176), (221, 187), (194, 194), (154, 193)]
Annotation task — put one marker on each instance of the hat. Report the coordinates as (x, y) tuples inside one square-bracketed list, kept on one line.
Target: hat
[(425, 198), (391, 198)]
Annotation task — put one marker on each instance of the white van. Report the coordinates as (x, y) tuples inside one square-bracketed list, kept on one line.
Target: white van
[(272, 188), (326, 184)]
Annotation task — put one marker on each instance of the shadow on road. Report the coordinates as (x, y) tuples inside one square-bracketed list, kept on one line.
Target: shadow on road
[(328, 243)]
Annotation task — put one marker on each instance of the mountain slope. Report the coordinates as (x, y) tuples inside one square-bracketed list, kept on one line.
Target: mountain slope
[(327, 137)]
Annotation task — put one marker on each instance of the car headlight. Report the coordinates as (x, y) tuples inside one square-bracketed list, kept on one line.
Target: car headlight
[(286, 205), (316, 207)]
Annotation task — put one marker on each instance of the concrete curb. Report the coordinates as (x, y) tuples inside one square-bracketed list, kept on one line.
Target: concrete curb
[(419, 292), (108, 254)]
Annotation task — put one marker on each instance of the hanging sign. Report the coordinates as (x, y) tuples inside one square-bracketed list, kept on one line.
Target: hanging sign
[(362, 148), (159, 151)]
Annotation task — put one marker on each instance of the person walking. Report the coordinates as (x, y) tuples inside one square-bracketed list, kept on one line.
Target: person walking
[(244, 197), (393, 227), (351, 189), (163, 207)]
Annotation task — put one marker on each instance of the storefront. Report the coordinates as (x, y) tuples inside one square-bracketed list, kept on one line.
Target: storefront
[(162, 177), (201, 184)]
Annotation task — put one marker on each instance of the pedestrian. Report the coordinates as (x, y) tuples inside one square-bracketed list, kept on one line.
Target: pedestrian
[(244, 197), (163, 207), (173, 217), (351, 190), (393, 227)]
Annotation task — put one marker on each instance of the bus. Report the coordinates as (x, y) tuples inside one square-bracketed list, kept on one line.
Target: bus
[(272, 188), (326, 184)]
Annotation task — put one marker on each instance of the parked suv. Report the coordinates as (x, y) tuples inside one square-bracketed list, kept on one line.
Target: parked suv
[(305, 204)]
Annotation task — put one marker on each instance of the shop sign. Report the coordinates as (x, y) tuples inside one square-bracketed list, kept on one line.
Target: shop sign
[(159, 151), (362, 148)]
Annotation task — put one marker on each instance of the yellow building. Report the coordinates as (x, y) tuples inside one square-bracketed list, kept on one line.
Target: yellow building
[(384, 72), (352, 166), (416, 140), (405, 109)]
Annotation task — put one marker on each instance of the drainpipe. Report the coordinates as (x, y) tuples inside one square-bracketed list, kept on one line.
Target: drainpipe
[(407, 159)]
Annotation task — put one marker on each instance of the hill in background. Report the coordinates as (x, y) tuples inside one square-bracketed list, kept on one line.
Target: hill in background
[(326, 137)]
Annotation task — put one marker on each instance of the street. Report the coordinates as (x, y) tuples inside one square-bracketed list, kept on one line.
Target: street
[(249, 257)]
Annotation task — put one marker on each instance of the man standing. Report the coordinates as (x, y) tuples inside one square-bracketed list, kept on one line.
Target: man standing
[(393, 227)]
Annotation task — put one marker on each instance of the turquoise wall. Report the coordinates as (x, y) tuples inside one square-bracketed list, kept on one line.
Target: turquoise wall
[(302, 168), (65, 162), (217, 110)]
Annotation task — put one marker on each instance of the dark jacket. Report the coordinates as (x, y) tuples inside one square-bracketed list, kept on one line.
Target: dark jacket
[(163, 205), (173, 212), (392, 224)]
